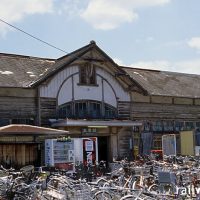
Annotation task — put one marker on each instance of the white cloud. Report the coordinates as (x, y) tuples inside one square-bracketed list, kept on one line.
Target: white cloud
[(188, 66), (118, 61), (70, 8), (14, 11), (110, 14), (156, 64), (185, 66), (194, 43)]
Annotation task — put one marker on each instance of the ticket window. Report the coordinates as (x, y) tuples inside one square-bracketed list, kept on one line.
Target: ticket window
[(157, 142)]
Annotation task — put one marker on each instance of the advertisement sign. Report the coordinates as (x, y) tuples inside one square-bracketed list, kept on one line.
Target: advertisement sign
[(169, 144), (187, 143), (64, 154), (59, 154), (89, 150), (49, 161)]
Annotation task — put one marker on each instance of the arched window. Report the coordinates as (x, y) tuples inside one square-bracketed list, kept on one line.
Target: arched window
[(87, 109)]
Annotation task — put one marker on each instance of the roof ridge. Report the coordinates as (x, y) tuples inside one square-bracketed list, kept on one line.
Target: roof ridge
[(161, 71), (25, 56), (77, 50)]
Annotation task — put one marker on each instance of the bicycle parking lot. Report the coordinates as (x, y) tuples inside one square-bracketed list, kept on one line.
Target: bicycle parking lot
[(144, 178)]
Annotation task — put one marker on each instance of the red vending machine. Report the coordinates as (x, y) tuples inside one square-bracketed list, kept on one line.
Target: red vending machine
[(90, 151)]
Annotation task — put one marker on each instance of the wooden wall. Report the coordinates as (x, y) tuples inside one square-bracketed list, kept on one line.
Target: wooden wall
[(17, 107), (167, 111), (124, 110), (124, 136), (164, 107), (18, 155), (47, 110)]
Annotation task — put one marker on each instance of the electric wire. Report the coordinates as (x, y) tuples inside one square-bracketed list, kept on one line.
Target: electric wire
[(36, 38)]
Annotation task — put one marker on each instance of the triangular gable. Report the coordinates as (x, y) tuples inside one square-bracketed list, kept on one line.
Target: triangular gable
[(92, 53)]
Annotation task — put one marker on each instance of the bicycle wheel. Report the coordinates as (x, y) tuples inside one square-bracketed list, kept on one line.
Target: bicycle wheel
[(102, 195), (128, 197), (19, 197), (101, 182), (154, 189)]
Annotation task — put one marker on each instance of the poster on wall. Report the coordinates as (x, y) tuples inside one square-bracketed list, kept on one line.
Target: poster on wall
[(90, 154), (187, 143), (169, 144)]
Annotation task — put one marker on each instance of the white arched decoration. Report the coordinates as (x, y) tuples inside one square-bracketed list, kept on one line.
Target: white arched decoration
[(65, 87), (65, 93)]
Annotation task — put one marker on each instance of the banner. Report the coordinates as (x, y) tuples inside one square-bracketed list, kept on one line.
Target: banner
[(169, 144), (187, 143), (89, 150)]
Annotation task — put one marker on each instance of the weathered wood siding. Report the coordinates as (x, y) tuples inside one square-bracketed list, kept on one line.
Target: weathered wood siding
[(17, 92), (18, 155), (124, 136), (164, 111), (124, 110), (47, 110), (17, 107)]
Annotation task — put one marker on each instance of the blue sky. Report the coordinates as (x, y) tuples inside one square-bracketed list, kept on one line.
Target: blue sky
[(155, 34)]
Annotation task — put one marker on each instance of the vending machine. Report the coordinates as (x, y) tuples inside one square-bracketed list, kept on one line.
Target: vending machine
[(90, 151), (64, 154), (59, 154)]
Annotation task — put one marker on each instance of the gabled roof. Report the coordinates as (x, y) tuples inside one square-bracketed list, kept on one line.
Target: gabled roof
[(79, 54), (166, 83), (20, 71), (62, 62), (26, 71)]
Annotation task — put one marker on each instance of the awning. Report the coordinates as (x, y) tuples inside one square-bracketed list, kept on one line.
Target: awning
[(94, 123), (23, 129)]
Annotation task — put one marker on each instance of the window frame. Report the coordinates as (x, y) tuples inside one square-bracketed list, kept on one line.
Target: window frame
[(88, 111), (84, 77)]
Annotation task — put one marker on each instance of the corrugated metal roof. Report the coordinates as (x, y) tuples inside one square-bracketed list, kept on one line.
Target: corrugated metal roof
[(29, 129), (166, 83), (20, 71), (26, 71)]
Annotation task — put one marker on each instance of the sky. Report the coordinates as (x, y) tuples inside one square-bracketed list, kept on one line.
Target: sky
[(152, 34)]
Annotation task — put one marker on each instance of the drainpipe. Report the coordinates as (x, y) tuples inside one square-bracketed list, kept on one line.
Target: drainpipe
[(38, 107)]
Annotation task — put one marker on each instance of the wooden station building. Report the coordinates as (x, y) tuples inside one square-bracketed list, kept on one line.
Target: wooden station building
[(86, 93)]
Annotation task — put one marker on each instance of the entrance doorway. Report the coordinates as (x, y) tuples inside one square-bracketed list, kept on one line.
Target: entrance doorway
[(103, 150)]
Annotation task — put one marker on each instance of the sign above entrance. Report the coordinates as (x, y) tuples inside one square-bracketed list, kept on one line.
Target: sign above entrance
[(87, 131)]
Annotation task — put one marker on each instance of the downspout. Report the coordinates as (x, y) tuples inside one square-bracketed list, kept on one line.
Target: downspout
[(38, 107)]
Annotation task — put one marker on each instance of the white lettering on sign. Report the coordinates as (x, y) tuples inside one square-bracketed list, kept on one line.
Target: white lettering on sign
[(89, 157), (89, 146), (186, 191)]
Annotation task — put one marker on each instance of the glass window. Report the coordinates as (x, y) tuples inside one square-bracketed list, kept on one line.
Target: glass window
[(147, 126), (168, 125), (157, 126), (4, 122), (87, 74), (198, 125), (86, 109), (65, 111), (94, 110), (179, 126), (23, 121), (157, 142), (81, 110), (62, 112), (189, 126), (110, 112)]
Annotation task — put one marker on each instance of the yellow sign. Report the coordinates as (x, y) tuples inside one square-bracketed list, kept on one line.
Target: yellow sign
[(187, 143)]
